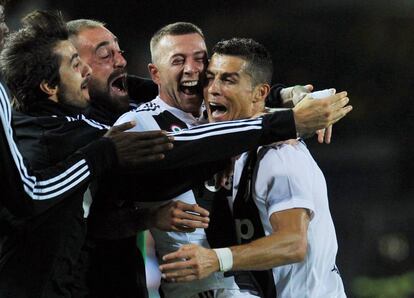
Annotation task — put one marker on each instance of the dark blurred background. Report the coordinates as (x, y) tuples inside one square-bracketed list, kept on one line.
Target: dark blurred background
[(364, 47)]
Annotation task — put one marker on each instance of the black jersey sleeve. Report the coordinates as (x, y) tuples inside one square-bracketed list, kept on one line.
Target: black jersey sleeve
[(218, 141), (21, 185)]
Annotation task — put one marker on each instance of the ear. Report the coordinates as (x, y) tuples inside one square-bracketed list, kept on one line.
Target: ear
[(51, 91), (260, 92), (154, 72)]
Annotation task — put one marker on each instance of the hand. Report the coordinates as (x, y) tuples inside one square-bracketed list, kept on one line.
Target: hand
[(291, 96), (178, 216), (136, 148), (191, 262), (311, 115)]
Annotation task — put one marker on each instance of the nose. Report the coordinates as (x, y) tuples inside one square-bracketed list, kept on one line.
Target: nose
[(192, 66), (86, 70), (214, 87), (119, 60)]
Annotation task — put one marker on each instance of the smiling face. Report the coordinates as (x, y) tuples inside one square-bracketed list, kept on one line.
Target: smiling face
[(74, 76), (99, 48), (229, 94), (178, 70)]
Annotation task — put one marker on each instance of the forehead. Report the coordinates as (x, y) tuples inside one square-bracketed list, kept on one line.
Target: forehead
[(92, 37), (182, 44), (228, 64), (65, 50)]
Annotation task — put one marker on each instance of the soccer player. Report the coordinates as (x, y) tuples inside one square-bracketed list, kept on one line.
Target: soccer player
[(280, 202), (178, 63)]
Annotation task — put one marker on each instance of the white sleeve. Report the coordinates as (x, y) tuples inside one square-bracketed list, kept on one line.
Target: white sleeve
[(284, 180), (144, 121)]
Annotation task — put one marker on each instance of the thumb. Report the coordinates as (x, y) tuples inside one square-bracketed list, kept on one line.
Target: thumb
[(123, 126)]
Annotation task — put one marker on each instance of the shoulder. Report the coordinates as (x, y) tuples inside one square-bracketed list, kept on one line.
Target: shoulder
[(284, 159)]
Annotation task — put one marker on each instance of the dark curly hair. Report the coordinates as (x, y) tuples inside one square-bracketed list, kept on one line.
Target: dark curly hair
[(259, 67), (28, 56)]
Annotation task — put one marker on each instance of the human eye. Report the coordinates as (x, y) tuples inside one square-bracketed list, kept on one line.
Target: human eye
[(103, 53), (177, 61), (209, 75), (229, 80)]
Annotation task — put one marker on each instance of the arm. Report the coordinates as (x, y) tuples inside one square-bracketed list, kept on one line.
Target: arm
[(239, 136), (288, 97), (113, 222), (22, 185), (287, 244), (235, 137)]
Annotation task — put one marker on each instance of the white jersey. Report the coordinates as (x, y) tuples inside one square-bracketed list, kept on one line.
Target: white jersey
[(153, 116), (286, 177)]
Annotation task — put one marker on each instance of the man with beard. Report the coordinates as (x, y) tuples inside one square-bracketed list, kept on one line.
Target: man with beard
[(178, 60), (41, 243), (280, 204)]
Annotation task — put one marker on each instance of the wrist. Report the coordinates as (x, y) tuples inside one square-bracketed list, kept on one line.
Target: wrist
[(225, 258)]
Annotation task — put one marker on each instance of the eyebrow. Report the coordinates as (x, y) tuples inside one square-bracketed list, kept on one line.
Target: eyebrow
[(201, 52), (105, 43), (224, 74), (102, 44), (74, 56)]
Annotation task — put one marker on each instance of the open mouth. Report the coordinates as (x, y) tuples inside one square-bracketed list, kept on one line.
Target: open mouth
[(217, 110), (190, 87), (119, 85), (84, 84)]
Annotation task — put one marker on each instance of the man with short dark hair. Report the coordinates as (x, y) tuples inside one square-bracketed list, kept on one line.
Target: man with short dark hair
[(178, 67), (280, 202)]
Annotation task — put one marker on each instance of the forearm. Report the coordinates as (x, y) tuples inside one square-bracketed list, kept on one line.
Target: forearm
[(265, 253)]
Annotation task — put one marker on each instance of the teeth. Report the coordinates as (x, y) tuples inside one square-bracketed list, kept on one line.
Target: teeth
[(189, 83)]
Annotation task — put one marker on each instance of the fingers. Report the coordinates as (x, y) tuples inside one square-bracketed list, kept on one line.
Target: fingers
[(182, 275), (328, 134), (338, 106), (186, 278), (182, 253), (321, 135), (339, 114), (123, 126), (192, 208), (177, 265), (324, 135), (337, 100), (188, 217)]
